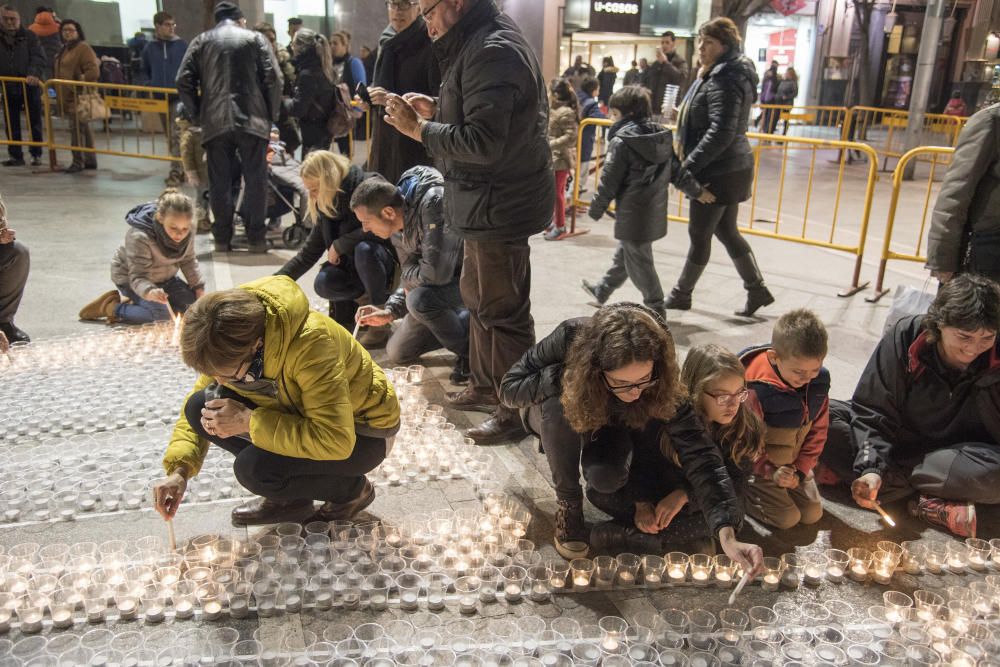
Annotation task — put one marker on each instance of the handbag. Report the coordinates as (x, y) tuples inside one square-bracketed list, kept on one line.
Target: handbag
[(90, 107), (907, 301)]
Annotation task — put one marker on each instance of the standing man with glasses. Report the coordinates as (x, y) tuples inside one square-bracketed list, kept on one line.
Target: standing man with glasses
[(161, 59), (488, 135), (21, 56)]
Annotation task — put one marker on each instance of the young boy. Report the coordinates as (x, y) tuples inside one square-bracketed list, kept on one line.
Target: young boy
[(641, 162), (789, 389), (589, 108)]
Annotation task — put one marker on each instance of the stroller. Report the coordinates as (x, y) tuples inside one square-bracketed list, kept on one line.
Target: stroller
[(286, 193)]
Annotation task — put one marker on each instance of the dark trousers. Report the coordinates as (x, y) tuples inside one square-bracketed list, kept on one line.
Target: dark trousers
[(496, 288), (14, 93), (287, 478), (142, 311), (223, 165), (965, 471), (560, 444), (368, 271), (717, 220), (436, 318), (15, 263), (634, 260)]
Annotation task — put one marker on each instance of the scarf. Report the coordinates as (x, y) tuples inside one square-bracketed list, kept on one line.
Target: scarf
[(393, 45), (143, 218)]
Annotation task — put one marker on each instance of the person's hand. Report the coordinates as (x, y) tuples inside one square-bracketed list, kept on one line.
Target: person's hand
[(403, 116), (374, 318), (32, 80), (333, 256), (378, 95), (7, 236), (4, 343), (943, 276), (200, 292), (645, 518), (706, 197), (669, 506), (157, 295), (192, 178), (224, 417), (422, 104), (167, 494), (749, 556), (786, 478), (661, 57), (865, 490)]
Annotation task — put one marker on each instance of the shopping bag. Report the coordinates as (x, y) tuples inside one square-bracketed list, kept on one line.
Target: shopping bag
[(908, 301)]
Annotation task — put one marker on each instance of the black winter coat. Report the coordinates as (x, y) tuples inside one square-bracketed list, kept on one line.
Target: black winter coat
[(673, 72), (21, 54), (490, 135), (713, 128), (429, 252), (229, 81), (406, 64), (313, 100), (640, 164), (343, 232), (538, 376), (907, 404)]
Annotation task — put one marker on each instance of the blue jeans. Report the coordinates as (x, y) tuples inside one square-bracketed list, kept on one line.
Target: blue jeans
[(436, 318), (141, 311), (368, 271)]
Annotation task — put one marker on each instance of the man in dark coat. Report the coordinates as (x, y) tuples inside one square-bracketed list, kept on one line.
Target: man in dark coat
[(230, 82), (489, 137), (21, 56), (405, 64), (670, 69)]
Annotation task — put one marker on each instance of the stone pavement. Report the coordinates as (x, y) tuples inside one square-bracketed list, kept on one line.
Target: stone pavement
[(73, 224)]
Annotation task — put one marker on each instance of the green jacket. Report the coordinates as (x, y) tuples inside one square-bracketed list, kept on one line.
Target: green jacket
[(327, 386)]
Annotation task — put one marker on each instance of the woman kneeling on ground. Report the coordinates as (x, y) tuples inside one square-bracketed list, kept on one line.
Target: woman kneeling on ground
[(159, 243), (649, 493), (289, 393), (607, 382)]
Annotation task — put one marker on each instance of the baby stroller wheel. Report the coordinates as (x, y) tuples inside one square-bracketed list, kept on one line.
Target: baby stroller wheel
[(294, 236)]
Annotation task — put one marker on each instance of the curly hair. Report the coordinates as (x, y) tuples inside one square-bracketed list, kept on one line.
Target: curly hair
[(967, 302), (744, 436), (617, 336)]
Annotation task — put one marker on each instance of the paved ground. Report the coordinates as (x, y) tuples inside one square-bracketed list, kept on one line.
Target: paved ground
[(74, 223)]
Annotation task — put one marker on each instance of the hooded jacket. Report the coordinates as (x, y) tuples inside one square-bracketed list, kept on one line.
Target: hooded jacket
[(161, 60), (796, 421), (562, 137), (908, 404), (490, 135), (21, 54), (639, 166), (712, 128), (328, 387), (537, 377), (142, 264), (229, 81), (430, 253), (312, 103)]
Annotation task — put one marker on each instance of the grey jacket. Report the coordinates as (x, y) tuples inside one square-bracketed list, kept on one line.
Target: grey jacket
[(229, 81), (430, 252), (140, 264), (968, 204)]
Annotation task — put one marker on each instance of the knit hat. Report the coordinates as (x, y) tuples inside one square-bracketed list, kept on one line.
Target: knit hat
[(227, 10)]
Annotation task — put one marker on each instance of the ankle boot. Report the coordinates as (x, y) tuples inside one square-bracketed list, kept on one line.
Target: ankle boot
[(97, 308), (680, 295), (758, 295)]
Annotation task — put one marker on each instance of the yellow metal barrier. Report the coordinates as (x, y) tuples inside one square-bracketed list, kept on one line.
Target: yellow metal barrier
[(885, 130), (815, 122), (19, 87), (794, 171), (932, 154)]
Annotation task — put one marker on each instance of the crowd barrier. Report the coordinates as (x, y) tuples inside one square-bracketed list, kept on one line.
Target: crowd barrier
[(17, 88), (788, 165), (814, 122), (927, 190), (885, 130)]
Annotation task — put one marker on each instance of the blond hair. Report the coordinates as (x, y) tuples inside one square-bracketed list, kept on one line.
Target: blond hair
[(220, 331), (173, 201), (329, 169)]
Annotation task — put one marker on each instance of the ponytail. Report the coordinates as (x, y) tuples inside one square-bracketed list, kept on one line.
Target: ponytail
[(173, 201)]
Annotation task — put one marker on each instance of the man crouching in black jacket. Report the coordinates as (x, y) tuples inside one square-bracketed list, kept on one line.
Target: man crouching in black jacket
[(430, 254)]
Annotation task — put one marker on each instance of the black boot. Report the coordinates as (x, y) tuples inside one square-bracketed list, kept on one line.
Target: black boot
[(571, 530), (680, 295), (460, 373), (758, 295)]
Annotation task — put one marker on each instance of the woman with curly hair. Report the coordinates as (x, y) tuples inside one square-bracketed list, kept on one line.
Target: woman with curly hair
[(609, 383)]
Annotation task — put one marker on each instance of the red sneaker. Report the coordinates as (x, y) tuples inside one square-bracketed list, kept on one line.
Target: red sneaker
[(825, 476), (956, 517)]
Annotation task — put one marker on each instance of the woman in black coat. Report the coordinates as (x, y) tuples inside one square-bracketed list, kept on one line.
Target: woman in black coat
[(606, 385), (405, 64), (313, 98), (711, 131)]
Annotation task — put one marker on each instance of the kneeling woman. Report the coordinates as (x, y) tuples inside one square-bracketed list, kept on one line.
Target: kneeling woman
[(297, 401), (613, 378), (159, 243), (641, 482)]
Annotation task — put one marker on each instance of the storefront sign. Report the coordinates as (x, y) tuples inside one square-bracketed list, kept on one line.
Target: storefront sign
[(616, 16), (788, 7)]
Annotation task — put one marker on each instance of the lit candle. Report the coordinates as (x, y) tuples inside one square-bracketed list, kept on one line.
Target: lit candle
[(467, 604), (184, 609), (676, 574), (723, 579), (610, 644), (933, 563), (882, 574), (512, 592), (770, 582), (956, 564), (581, 581), (652, 579), (813, 576), (858, 571), (626, 579), (213, 610), (699, 577), (835, 573), (539, 592), (557, 583), (976, 562)]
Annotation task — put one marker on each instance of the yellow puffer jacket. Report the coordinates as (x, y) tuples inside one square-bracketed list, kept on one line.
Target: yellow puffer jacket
[(327, 384)]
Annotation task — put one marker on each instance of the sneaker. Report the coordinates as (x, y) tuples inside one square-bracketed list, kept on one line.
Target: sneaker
[(825, 476), (571, 530), (36, 162), (555, 233), (956, 517), (12, 162), (592, 290)]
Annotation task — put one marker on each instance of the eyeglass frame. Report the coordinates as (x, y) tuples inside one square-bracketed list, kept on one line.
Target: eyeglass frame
[(624, 389), (430, 10), (401, 5), (725, 400), (248, 362)]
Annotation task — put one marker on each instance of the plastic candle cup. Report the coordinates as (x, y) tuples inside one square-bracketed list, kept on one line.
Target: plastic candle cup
[(913, 557), (725, 571), (652, 571), (513, 577), (861, 560), (154, 602), (928, 605), (467, 589), (837, 564), (771, 576), (701, 569), (537, 582), (266, 592), (936, 555), (979, 553), (488, 576), (409, 585), (794, 569), (628, 569), (239, 599), (605, 569), (437, 585), (612, 634), (815, 569), (30, 612), (958, 557), (559, 573)]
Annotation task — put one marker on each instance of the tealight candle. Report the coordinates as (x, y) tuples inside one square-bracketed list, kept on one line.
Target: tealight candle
[(580, 581), (154, 614), (626, 579), (408, 601), (63, 618), (184, 609), (676, 574), (239, 608), (212, 610), (652, 579), (512, 592), (31, 622), (293, 603), (699, 578), (813, 576), (770, 582)]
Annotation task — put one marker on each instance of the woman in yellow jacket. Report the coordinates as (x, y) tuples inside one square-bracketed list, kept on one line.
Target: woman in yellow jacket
[(288, 392)]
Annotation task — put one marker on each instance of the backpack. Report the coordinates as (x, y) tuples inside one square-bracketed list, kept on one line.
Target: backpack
[(340, 122)]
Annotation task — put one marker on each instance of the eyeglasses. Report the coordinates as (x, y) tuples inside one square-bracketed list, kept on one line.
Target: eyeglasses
[(430, 10), (624, 389), (725, 400), (241, 370), (400, 5)]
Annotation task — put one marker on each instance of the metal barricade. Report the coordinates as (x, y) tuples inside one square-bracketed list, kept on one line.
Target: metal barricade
[(928, 192), (885, 130), (800, 169), (814, 122), (22, 104)]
